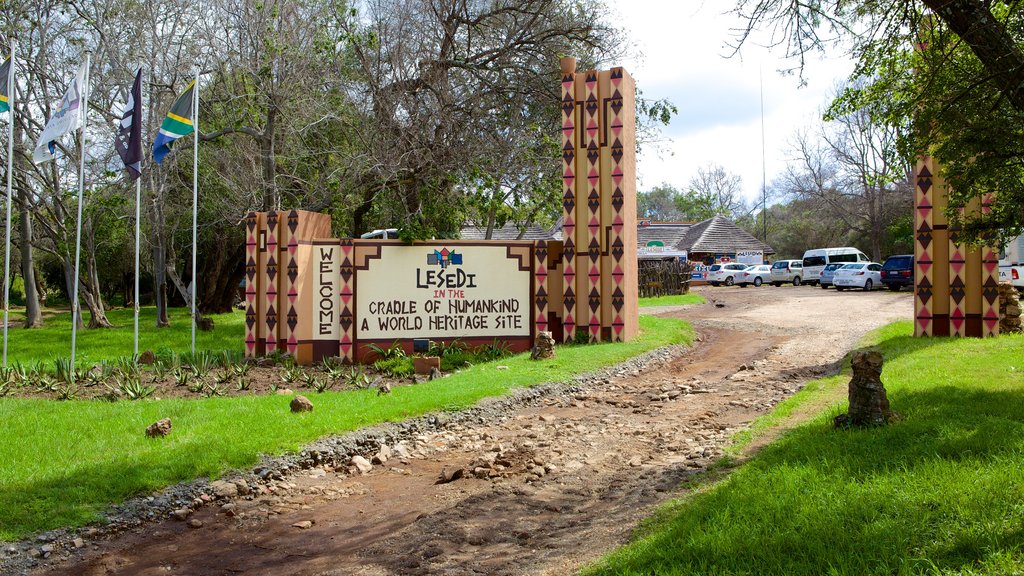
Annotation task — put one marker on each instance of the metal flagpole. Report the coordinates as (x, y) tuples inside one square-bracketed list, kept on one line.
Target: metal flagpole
[(78, 230), (138, 234), (10, 171), (195, 201)]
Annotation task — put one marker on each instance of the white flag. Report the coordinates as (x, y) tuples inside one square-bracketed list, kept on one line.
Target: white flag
[(64, 120)]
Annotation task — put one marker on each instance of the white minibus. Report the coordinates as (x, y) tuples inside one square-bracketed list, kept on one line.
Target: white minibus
[(815, 260)]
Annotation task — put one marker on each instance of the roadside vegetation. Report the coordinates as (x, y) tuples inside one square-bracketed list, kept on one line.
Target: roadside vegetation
[(938, 492), (673, 300), (74, 458)]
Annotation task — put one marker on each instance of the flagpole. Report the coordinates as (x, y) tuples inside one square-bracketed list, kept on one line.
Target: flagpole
[(195, 200), (138, 235), (10, 170), (78, 230)]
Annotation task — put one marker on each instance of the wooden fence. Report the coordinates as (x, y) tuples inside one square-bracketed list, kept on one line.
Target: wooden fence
[(664, 277)]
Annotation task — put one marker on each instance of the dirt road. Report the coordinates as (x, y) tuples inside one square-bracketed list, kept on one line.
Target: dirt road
[(548, 486)]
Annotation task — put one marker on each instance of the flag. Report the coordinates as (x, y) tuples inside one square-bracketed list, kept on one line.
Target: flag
[(5, 90), (128, 141), (64, 120), (178, 123)]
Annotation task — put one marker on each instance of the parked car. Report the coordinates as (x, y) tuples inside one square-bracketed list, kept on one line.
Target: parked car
[(816, 259), (756, 275), (784, 271), (898, 271), (724, 273), (863, 275), (825, 278)]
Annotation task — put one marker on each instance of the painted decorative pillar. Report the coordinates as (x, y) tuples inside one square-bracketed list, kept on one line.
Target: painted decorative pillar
[(569, 171), (272, 231), (254, 346)]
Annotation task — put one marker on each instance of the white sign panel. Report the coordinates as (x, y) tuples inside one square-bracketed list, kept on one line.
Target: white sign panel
[(326, 286), (750, 257), (442, 291)]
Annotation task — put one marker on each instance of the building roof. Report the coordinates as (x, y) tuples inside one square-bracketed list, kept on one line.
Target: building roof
[(510, 231), (668, 234), (719, 235)]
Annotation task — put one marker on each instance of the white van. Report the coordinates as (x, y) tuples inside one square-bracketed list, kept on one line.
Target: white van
[(815, 260), (1011, 263)]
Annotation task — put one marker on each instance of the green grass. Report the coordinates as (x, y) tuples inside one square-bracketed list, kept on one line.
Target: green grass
[(63, 462), (939, 492), (54, 339), (674, 300)]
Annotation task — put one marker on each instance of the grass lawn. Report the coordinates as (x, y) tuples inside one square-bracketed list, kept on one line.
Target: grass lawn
[(940, 492), (61, 463), (53, 340), (674, 300)]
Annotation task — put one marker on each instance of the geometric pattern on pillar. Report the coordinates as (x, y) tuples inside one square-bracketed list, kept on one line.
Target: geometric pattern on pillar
[(590, 261), (540, 283), (292, 272), (569, 139), (273, 233), (923, 247), (615, 106), (955, 285), (346, 349), (989, 279), (252, 231)]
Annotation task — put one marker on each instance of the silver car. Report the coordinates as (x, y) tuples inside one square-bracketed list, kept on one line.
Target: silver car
[(825, 279)]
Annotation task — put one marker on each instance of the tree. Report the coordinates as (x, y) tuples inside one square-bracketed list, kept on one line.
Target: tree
[(722, 190), (447, 86), (659, 203), (956, 73)]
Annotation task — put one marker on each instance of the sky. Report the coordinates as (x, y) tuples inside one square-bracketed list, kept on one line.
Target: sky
[(682, 46)]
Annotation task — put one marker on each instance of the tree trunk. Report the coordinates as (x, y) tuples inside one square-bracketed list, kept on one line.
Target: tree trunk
[(973, 22), (159, 265), (186, 294), (33, 311), (93, 295), (69, 282), (269, 163)]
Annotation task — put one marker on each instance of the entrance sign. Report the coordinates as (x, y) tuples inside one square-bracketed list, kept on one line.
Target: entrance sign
[(313, 297), (439, 290)]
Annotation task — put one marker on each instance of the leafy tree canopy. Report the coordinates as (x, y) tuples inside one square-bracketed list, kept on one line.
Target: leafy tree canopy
[(952, 71)]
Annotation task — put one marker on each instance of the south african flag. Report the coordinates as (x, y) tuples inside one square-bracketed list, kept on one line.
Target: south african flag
[(5, 75), (178, 123)]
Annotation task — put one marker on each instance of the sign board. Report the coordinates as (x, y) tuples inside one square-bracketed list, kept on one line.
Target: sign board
[(750, 257), (439, 291)]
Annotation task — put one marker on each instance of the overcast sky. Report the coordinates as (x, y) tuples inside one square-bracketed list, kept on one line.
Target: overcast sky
[(683, 47)]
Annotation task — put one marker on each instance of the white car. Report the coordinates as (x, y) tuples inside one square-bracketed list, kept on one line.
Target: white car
[(756, 275), (863, 275), (724, 273), (787, 271)]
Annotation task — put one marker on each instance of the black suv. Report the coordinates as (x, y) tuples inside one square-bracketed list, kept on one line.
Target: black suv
[(898, 271)]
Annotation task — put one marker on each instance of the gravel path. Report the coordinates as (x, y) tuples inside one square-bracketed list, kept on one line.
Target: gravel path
[(539, 483)]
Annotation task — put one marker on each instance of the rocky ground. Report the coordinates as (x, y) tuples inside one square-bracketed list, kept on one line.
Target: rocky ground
[(539, 483)]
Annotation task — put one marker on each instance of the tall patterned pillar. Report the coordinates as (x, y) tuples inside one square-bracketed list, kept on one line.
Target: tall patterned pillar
[(292, 271), (955, 290), (569, 171), (989, 279), (540, 286), (619, 256), (923, 247), (272, 232), (957, 285), (348, 325), (253, 224), (590, 284)]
